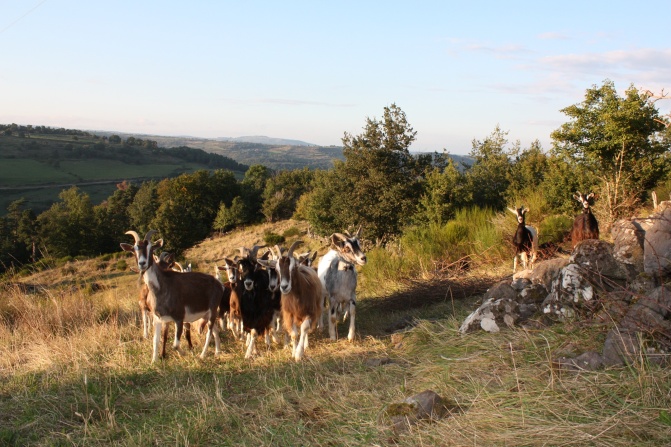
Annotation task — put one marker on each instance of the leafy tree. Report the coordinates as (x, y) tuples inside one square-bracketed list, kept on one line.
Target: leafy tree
[(528, 170), (445, 191), (229, 217), (489, 176), (251, 191), (17, 235), (143, 208), (68, 228), (620, 140), (378, 183), (112, 217), (188, 205), (282, 192)]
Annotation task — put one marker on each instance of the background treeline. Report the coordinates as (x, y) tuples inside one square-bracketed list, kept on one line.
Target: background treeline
[(616, 146)]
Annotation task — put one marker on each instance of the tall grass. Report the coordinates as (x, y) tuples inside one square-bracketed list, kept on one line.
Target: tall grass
[(74, 370), (471, 239)]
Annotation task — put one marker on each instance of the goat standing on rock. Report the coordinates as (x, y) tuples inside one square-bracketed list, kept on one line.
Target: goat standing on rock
[(585, 225), (525, 240)]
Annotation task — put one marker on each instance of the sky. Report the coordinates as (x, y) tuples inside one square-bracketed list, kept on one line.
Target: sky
[(313, 70)]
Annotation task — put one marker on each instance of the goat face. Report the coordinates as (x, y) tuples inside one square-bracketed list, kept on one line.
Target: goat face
[(246, 272), (349, 247), (143, 249), (584, 200)]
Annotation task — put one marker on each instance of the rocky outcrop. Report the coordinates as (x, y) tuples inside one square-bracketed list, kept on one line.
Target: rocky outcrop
[(614, 284), (657, 246)]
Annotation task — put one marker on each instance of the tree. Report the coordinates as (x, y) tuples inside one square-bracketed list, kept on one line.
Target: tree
[(282, 192), (377, 185), (143, 208), (68, 228), (251, 191), (112, 217), (17, 235), (489, 176), (444, 193), (229, 217), (620, 140)]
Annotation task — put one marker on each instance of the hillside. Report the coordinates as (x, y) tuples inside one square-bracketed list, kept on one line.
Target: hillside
[(85, 377), (276, 156), (39, 163)]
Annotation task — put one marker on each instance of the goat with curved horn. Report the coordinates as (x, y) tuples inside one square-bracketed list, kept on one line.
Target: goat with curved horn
[(177, 297)]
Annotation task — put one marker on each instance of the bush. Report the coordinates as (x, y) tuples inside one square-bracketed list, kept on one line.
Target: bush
[(121, 265), (271, 238), (554, 229), (291, 232)]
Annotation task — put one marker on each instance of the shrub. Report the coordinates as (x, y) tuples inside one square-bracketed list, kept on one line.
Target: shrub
[(554, 229), (121, 265), (291, 232), (271, 238)]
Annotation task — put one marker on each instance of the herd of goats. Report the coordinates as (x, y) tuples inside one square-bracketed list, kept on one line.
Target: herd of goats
[(278, 294)]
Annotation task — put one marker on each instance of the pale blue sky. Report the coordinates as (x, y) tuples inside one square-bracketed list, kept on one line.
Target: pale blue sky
[(314, 70)]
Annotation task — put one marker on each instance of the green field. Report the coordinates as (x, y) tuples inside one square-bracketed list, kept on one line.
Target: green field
[(93, 170), (24, 172)]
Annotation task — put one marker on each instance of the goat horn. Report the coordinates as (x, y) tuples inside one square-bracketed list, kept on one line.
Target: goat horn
[(290, 253), (149, 234), (358, 232), (279, 252), (255, 250), (135, 235)]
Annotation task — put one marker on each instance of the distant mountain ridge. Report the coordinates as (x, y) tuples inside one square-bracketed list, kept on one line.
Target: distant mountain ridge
[(260, 139)]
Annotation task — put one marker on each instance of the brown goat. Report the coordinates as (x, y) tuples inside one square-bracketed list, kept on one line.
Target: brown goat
[(301, 300), (177, 297)]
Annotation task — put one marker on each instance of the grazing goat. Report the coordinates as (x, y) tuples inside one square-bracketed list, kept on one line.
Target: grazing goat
[(339, 279), (301, 297), (585, 225), (177, 297), (525, 241)]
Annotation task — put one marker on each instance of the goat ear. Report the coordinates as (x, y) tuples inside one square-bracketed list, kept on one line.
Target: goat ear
[(126, 247), (525, 210), (589, 196), (267, 263), (314, 255), (158, 244), (338, 239), (577, 197), (512, 211)]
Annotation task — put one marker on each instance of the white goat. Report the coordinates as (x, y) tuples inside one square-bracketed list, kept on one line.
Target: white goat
[(338, 276)]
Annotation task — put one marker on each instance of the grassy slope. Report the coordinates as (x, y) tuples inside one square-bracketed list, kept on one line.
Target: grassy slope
[(31, 174), (74, 370)]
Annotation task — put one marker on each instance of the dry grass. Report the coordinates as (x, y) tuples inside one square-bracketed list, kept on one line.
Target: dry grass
[(74, 370)]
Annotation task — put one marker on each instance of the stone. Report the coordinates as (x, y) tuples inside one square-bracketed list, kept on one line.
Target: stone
[(596, 256), (546, 272), (657, 246), (588, 361), (628, 237), (425, 406)]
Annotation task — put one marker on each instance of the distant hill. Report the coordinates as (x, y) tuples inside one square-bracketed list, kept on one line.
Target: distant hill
[(282, 154), (38, 162), (266, 140)]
